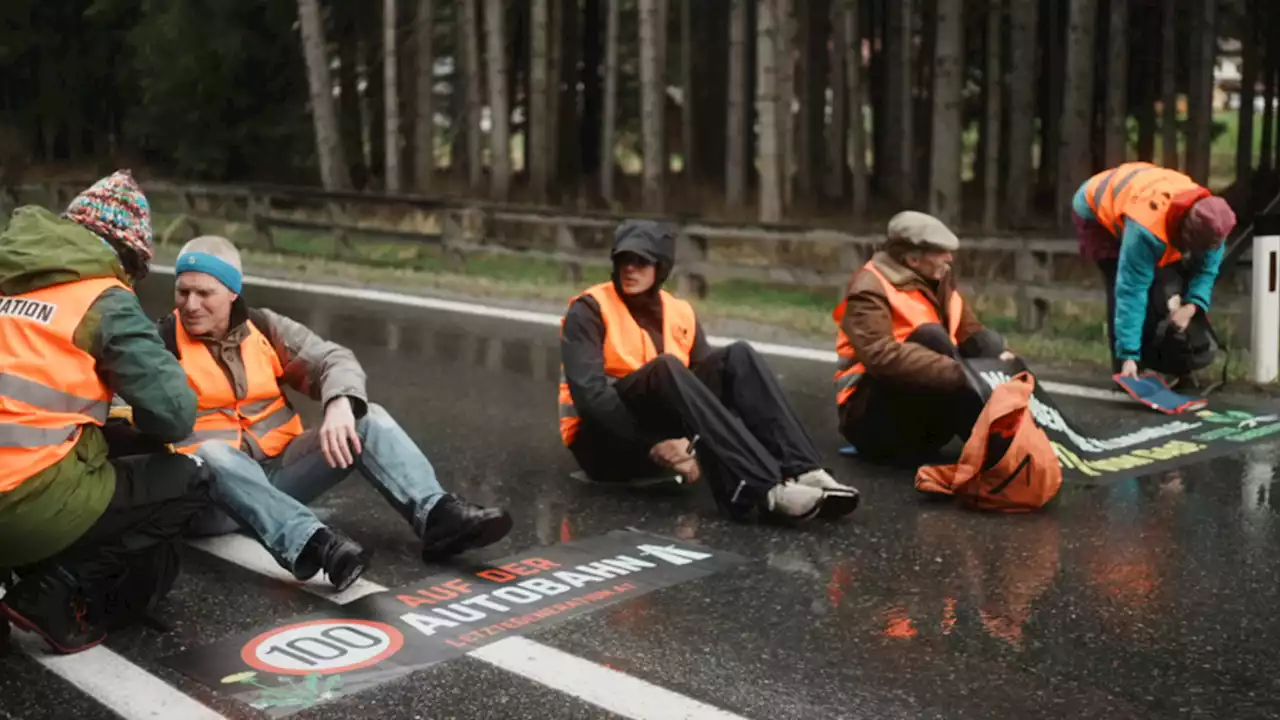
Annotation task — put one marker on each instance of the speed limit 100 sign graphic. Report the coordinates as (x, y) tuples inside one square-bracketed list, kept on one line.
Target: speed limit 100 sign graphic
[(322, 646)]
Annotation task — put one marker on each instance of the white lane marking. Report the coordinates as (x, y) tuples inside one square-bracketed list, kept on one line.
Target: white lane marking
[(124, 688), (616, 692), (540, 318)]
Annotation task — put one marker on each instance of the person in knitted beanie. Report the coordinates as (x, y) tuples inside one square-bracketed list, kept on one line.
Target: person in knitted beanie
[(116, 210)]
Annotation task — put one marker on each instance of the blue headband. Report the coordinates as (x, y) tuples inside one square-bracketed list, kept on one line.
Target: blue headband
[(223, 271)]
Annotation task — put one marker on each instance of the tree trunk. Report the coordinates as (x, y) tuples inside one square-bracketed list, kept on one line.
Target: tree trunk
[(473, 71), (424, 141), (1248, 83), (814, 21), (555, 46), (767, 108), (736, 126), (994, 76), (349, 93), (333, 164), (566, 172), (1077, 106), (856, 91), (688, 158), (1200, 97), (898, 108), (837, 162), (538, 129), (499, 112), (607, 138), (1168, 86), (1055, 85), (592, 88), (1268, 111), (651, 104), (1023, 24), (785, 33), (391, 96), (1117, 138), (948, 86)]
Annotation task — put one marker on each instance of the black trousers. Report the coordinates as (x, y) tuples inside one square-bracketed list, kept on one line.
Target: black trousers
[(1169, 356), (155, 498), (897, 423), (749, 436)]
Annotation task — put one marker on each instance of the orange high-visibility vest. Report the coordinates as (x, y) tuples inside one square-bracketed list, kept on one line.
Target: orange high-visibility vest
[(263, 413), (1138, 192), (910, 309), (627, 347), (49, 388)]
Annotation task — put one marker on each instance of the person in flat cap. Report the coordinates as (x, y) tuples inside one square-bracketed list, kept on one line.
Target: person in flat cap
[(1157, 236), (901, 392), (641, 386)]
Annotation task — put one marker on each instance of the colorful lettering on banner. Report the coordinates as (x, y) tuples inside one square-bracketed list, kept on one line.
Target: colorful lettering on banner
[(1162, 445), (384, 636)]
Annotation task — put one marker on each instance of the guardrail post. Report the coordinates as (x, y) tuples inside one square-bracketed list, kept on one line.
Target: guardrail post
[(1266, 299), (691, 255), (567, 244), (261, 230), (1031, 311)]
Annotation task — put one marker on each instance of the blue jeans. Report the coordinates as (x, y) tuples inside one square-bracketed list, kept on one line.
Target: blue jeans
[(269, 498)]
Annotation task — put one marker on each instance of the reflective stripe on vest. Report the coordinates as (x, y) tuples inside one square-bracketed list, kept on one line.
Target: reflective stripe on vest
[(1141, 193), (262, 414), (909, 309), (627, 347), (49, 388)]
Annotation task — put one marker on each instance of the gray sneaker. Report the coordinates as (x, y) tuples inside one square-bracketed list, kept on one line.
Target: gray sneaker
[(793, 500), (838, 499)]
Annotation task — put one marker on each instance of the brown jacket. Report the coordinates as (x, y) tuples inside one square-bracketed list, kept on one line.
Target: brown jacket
[(868, 322)]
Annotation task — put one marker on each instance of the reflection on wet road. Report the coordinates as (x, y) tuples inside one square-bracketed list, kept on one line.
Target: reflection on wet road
[(1141, 598)]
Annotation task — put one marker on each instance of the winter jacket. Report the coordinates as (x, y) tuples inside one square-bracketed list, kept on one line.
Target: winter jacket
[(320, 369), (50, 510), (582, 343), (1140, 253)]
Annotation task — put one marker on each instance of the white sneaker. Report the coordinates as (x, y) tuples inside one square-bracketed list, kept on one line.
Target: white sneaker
[(793, 500), (839, 499)]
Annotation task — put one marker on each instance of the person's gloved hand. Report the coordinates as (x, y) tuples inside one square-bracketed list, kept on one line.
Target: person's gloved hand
[(673, 454)]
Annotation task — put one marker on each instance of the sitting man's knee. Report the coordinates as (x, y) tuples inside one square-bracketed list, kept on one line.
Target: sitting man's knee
[(669, 363), (375, 415), (986, 343), (218, 454), (932, 336)]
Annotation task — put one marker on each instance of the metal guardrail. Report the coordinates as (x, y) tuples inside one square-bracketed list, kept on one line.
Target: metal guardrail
[(707, 251)]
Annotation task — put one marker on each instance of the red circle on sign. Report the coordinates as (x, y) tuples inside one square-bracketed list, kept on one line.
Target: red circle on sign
[(250, 653)]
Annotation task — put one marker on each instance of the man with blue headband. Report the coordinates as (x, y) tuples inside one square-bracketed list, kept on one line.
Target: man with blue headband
[(237, 359)]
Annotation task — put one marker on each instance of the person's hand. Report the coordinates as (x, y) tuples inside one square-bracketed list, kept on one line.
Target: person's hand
[(673, 454), (339, 441), (1129, 368), (1182, 316)]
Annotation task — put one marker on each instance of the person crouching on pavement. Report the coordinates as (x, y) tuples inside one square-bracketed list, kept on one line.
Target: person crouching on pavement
[(640, 382), (901, 392), (237, 358), (1157, 236), (91, 537)]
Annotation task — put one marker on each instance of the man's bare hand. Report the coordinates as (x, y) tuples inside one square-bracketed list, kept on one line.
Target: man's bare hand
[(673, 454), (1182, 316), (339, 441), (1129, 368)]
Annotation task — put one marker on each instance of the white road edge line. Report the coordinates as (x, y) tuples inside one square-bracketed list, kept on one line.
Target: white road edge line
[(111, 680), (540, 318), (590, 682)]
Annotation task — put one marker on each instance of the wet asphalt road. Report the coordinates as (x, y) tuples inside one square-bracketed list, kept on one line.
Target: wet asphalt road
[(1144, 598)]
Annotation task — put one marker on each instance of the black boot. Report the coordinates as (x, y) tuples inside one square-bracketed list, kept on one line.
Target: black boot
[(455, 525), (51, 605), (341, 558)]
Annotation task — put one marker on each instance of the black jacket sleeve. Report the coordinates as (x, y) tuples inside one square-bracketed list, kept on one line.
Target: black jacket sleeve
[(582, 352), (701, 349)]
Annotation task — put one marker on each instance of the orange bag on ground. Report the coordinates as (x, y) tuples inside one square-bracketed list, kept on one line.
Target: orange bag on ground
[(1008, 463)]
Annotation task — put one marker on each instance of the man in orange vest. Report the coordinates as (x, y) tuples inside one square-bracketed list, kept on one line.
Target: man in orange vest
[(1157, 236), (901, 390), (237, 359), (89, 536), (640, 382)]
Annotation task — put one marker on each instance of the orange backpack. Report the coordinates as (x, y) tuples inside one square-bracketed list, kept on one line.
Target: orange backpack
[(1008, 463)]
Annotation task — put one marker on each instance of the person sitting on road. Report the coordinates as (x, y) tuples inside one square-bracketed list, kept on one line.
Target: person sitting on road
[(640, 382), (1157, 237), (90, 537), (237, 358), (902, 393)]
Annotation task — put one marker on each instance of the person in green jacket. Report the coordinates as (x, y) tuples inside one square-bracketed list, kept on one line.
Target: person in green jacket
[(90, 537)]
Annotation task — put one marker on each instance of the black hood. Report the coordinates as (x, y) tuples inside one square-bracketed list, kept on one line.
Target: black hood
[(647, 238)]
